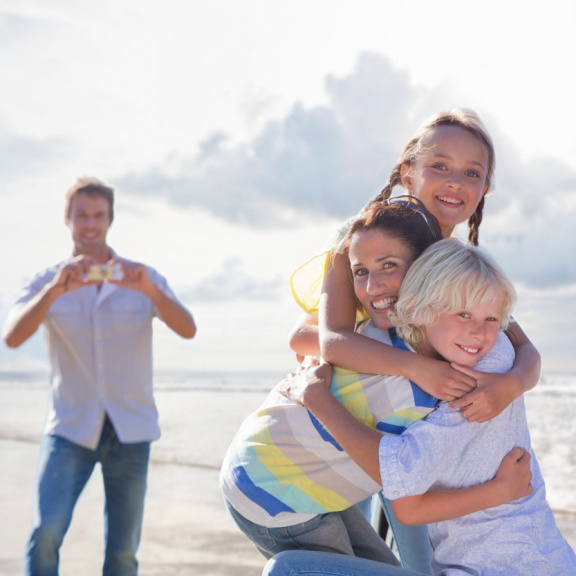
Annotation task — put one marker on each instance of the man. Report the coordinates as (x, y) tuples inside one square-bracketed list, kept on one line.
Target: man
[(102, 407)]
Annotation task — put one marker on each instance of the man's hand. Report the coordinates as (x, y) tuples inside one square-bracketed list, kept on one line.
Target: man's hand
[(72, 275), (135, 277), (23, 322)]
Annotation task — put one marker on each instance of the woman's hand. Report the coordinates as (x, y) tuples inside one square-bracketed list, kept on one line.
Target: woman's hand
[(492, 395), (306, 380)]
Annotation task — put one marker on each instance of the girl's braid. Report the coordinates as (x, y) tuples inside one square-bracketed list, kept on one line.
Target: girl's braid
[(393, 181), (474, 223)]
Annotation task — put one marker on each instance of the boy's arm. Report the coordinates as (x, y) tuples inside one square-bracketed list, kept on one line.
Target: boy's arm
[(340, 345), (310, 387), (512, 481), (362, 444)]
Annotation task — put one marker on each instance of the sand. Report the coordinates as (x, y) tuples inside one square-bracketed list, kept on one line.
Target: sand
[(186, 528)]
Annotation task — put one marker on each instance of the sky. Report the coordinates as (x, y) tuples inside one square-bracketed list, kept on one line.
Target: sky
[(239, 135)]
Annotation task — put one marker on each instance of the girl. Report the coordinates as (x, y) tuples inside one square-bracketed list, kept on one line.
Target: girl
[(452, 304), (449, 166), (287, 483)]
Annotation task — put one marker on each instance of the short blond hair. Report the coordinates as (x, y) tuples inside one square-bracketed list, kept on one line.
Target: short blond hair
[(449, 276)]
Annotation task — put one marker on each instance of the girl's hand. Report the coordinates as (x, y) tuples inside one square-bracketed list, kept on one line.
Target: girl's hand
[(514, 475), (439, 379), (492, 395), (306, 380)]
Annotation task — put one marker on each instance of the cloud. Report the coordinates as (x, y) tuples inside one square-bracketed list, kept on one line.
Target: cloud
[(323, 161), (19, 28), (327, 161), (22, 156), (529, 220), (232, 283)]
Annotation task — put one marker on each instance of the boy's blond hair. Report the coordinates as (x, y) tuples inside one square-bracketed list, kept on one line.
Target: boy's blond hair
[(449, 276)]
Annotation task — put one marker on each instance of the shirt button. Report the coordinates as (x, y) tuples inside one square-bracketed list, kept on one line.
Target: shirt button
[(395, 493)]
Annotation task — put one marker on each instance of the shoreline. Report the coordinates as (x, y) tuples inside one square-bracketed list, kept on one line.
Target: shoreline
[(187, 529)]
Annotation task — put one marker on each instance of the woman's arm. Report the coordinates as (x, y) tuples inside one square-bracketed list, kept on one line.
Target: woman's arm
[(342, 346), (512, 480), (496, 391)]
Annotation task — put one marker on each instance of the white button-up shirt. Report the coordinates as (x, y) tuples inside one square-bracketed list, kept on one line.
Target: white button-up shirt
[(100, 349)]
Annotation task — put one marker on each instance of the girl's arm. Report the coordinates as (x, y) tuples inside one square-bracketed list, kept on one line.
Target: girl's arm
[(342, 346), (496, 391), (304, 339), (512, 480)]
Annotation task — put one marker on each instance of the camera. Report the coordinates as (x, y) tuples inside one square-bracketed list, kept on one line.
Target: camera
[(104, 272)]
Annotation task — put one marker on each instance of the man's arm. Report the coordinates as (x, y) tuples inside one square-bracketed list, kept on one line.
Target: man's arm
[(25, 319), (174, 314)]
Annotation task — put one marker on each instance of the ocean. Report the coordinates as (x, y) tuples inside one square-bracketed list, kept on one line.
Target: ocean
[(551, 409)]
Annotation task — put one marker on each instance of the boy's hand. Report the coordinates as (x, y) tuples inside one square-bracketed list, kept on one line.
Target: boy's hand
[(514, 475), (306, 380)]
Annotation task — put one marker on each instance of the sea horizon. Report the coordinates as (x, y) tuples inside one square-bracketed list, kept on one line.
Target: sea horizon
[(257, 380)]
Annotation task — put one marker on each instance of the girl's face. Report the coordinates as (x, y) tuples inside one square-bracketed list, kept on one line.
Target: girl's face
[(467, 335), (449, 175), (379, 263)]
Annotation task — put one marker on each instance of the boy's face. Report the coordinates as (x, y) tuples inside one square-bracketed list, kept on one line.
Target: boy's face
[(467, 335)]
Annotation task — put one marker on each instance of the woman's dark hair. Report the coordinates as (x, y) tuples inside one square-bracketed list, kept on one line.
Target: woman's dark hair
[(412, 224)]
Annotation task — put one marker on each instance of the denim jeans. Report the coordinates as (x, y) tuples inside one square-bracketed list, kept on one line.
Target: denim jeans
[(64, 470), (346, 532), (306, 563), (413, 542)]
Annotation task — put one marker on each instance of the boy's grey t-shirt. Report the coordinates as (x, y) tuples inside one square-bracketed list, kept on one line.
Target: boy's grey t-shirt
[(446, 451)]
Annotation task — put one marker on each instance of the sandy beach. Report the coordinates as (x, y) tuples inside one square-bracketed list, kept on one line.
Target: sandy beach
[(186, 528)]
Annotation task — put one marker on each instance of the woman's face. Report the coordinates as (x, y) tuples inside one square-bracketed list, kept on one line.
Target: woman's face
[(379, 263), (449, 175)]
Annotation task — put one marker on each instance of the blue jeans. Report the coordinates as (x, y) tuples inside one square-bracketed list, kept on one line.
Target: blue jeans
[(346, 532), (64, 470), (305, 563), (413, 542)]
